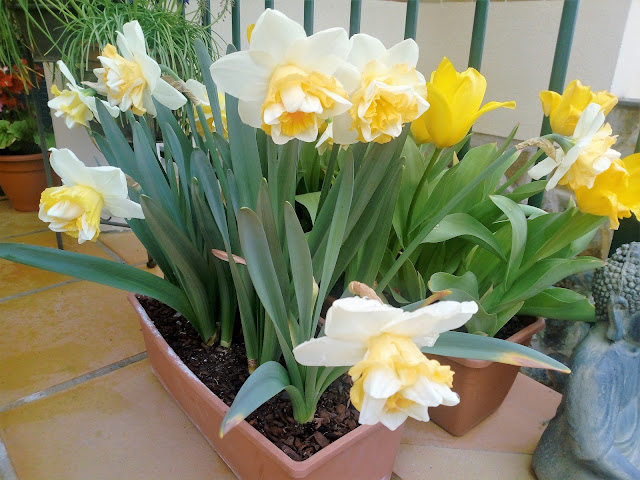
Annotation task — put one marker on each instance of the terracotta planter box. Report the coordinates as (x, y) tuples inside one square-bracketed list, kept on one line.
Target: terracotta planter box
[(23, 179), (367, 453), (481, 384)]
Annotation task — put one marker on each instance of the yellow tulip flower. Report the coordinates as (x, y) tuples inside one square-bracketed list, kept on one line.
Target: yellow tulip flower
[(615, 192), (565, 110), (455, 100)]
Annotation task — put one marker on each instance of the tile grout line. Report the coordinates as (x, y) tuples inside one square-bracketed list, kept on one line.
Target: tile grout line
[(25, 234), (47, 392), (55, 285), (6, 468)]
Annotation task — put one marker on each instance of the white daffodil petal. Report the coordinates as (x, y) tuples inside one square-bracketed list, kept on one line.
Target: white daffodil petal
[(356, 319), (381, 382), (393, 419), (69, 168), (198, 90), (64, 210), (328, 352), (122, 207), (372, 410), (322, 51), (590, 121), (168, 96), (273, 33), (342, 132), (240, 76), (406, 51), (432, 319), (66, 72), (364, 48), (109, 181), (151, 71), (542, 168), (250, 113), (134, 38)]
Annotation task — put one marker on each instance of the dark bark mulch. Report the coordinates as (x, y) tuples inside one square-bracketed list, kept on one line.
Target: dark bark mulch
[(224, 370)]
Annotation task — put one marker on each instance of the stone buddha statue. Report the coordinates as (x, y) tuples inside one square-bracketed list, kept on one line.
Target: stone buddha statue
[(596, 431)]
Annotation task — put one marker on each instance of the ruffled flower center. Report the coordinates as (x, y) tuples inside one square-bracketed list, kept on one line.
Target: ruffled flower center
[(124, 80), (74, 210)]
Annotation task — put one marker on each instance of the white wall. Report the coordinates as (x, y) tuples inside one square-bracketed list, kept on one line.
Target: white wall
[(518, 51)]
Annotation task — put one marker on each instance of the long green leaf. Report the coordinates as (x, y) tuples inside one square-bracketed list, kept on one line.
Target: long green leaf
[(464, 225), (266, 382), (518, 235), (301, 270), (465, 345), (99, 270), (560, 304)]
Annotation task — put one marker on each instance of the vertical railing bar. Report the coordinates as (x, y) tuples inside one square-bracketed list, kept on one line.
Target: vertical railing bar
[(308, 16), (637, 150), (411, 19), (235, 24), (478, 33), (268, 4), (354, 17), (560, 64), (563, 51)]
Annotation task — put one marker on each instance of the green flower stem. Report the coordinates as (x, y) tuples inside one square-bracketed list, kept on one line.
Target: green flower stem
[(565, 143), (519, 173), (328, 176)]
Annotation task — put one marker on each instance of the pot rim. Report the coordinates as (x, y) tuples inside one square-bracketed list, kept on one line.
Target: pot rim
[(295, 467), (21, 157)]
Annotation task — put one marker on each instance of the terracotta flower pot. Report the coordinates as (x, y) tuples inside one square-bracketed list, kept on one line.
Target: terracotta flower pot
[(23, 179), (367, 453), (481, 384)]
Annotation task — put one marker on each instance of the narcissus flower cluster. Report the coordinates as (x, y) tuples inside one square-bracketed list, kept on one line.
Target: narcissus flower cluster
[(603, 183)]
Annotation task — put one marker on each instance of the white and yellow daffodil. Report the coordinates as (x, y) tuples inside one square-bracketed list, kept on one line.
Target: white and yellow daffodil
[(393, 379), (387, 93), (75, 207), (199, 92), (75, 104), (132, 78), (285, 82), (589, 156)]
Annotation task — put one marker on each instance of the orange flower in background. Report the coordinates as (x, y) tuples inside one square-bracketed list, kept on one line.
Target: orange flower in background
[(565, 110)]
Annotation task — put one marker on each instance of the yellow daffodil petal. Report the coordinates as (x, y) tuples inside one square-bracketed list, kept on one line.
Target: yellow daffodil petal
[(615, 192), (565, 110)]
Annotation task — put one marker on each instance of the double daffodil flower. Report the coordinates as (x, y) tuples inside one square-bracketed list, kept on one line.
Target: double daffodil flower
[(75, 207), (393, 379), (131, 79), (75, 104), (286, 82)]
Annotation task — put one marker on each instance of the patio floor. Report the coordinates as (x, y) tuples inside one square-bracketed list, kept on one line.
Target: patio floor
[(78, 399)]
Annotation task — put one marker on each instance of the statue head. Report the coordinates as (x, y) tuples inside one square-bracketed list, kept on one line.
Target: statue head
[(616, 292)]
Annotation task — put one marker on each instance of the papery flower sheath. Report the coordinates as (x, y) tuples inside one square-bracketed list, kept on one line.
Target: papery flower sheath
[(455, 101), (199, 91), (74, 103), (393, 379), (387, 92), (131, 79), (565, 110), (75, 207), (615, 192), (589, 156), (285, 82)]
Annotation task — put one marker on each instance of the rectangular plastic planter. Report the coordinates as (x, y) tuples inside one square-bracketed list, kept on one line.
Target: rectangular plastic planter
[(366, 453)]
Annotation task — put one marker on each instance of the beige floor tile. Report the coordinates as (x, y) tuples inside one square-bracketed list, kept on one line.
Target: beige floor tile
[(60, 333), (13, 222), (515, 427), (17, 278), (420, 462), (119, 426), (126, 245)]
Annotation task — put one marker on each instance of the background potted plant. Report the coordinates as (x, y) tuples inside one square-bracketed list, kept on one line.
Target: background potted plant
[(22, 171), (218, 217)]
